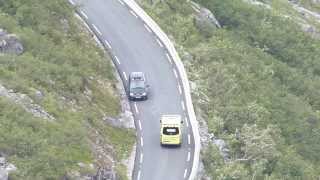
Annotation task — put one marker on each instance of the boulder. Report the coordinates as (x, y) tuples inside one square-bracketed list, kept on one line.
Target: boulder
[(38, 95), (206, 22), (206, 15), (3, 174), (222, 146), (107, 174), (5, 168), (10, 44), (2, 162)]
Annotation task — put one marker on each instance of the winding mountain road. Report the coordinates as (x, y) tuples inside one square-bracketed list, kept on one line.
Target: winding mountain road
[(136, 48)]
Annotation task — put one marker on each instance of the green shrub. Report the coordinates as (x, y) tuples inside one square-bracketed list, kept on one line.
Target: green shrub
[(259, 69), (61, 61)]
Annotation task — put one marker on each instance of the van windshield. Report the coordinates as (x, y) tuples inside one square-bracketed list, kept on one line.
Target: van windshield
[(170, 131)]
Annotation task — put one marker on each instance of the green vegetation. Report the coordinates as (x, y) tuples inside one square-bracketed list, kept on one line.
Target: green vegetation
[(258, 81), (310, 4), (77, 81)]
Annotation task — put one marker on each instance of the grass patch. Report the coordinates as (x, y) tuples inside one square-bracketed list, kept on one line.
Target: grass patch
[(122, 172), (77, 81)]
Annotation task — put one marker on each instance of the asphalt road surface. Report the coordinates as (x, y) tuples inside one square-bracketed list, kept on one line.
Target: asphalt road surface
[(136, 48)]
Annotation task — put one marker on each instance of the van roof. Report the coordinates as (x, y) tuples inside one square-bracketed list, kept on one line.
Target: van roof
[(171, 119)]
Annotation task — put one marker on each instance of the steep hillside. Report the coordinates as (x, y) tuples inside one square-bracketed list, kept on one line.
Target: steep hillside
[(64, 75), (310, 4), (255, 81)]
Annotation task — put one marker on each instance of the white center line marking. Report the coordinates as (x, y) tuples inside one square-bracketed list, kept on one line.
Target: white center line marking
[(125, 75), (185, 173), (188, 158), (187, 122), (136, 108), (96, 28), (182, 104), (169, 58), (121, 2), (83, 14), (140, 125), (188, 138), (117, 59), (139, 174), (134, 14), (108, 44), (141, 141), (71, 1), (141, 158), (180, 90), (175, 73), (148, 29), (160, 44)]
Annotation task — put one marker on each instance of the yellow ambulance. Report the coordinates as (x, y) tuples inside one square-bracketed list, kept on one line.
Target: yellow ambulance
[(171, 130)]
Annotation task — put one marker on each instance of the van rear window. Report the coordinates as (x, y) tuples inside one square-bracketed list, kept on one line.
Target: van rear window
[(170, 130)]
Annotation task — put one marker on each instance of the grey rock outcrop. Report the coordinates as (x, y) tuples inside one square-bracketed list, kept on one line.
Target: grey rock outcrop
[(125, 120), (205, 20), (206, 139), (258, 3), (38, 95), (106, 174), (10, 44), (223, 148), (307, 14), (26, 103), (3, 174), (5, 168), (205, 15)]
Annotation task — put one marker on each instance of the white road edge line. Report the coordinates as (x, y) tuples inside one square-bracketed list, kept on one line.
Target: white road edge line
[(187, 122), (141, 141), (180, 90), (182, 104), (169, 58), (139, 174), (188, 158), (125, 75), (189, 139), (84, 14), (72, 2), (159, 42), (183, 75), (136, 108), (141, 158), (140, 125), (122, 3), (108, 44), (133, 13), (185, 173), (175, 73), (117, 59), (148, 29), (96, 28)]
